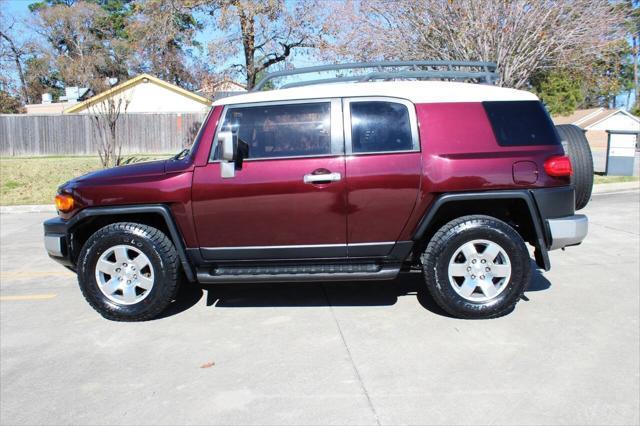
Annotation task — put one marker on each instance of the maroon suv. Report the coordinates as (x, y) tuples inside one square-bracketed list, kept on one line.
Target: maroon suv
[(331, 182)]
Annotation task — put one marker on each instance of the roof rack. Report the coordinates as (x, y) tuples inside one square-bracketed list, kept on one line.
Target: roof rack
[(469, 71)]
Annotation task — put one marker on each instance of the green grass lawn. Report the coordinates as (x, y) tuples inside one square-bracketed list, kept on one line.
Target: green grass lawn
[(615, 179), (34, 180)]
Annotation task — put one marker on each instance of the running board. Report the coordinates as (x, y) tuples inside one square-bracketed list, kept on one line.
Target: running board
[(293, 273)]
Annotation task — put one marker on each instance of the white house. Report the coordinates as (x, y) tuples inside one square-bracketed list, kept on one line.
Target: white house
[(145, 94), (597, 121)]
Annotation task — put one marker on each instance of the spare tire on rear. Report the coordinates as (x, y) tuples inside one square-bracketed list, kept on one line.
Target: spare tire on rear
[(578, 150)]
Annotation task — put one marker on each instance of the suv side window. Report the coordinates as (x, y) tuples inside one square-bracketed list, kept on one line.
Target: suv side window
[(285, 130), (520, 123), (380, 126)]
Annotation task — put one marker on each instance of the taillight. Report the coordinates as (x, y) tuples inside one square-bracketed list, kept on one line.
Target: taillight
[(559, 165), (64, 203)]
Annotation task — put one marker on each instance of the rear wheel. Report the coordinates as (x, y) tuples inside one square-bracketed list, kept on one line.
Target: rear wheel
[(476, 267), (581, 160), (128, 271)]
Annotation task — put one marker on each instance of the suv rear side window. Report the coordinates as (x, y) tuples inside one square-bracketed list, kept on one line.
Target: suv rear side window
[(378, 126), (292, 130), (520, 123)]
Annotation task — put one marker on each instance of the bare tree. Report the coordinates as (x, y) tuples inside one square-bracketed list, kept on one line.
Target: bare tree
[(15, 50), (522, 36), (264, 33), (634, 33), (163, 33), (105, 116), (79, 44)]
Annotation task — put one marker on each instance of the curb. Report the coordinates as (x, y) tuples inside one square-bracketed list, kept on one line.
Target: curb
[(33, 208), (602, 188)]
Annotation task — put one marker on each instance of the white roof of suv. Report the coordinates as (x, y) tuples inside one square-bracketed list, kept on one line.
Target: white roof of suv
[(417, 92)]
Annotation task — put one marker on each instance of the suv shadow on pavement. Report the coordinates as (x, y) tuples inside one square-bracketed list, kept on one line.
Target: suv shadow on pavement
[(381, 293)]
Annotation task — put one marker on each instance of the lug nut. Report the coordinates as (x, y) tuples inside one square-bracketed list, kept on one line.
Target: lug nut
[(135, 276), (487, 269), (482, 277), (473, 261), (124, 264), (128, 281), (473, 277), (117, 269), (484, 261), (468, 268)]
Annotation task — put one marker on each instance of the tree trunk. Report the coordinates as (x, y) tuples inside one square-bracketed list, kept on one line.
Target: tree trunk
[(16, 58), (636, 56), (248, 43)]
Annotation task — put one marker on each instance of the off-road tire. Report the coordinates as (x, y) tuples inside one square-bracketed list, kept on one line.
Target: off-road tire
[(448, 239), (155, 245), (581, 160)]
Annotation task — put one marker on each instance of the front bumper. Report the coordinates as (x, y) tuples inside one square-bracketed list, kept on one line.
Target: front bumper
[(568, 230), (56, 241)]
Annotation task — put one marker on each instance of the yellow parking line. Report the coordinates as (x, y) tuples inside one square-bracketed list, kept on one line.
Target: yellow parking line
[(13, 274), (28, 297)]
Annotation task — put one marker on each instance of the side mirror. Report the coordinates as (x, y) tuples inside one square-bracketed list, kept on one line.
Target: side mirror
[(228, 143), (232, 153), (228, 146)]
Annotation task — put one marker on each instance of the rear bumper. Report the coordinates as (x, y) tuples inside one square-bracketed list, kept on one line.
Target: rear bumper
[(563, 227), (568, 230)]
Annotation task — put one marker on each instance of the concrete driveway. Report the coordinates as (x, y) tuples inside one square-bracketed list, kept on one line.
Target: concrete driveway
[(341, 353)]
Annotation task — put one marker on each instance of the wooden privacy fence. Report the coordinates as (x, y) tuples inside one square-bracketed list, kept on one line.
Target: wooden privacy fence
[(75, 134)]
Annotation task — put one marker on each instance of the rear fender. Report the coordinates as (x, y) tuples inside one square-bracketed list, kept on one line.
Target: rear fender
[(542, 238)]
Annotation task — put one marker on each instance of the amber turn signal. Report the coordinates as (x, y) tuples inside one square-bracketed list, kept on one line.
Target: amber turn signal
[(64, 202)]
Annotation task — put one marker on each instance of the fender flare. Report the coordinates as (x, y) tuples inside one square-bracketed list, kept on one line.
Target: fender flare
[(542, 236), (159, 209)]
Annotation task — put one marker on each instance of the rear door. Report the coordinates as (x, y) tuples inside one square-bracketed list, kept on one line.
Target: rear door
[(383, 168), (288, 200)]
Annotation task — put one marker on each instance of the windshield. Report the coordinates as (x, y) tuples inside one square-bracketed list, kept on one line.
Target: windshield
[(186, 152)]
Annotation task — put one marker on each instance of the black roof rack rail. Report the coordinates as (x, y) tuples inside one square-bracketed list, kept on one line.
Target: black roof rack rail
[(470, 71)]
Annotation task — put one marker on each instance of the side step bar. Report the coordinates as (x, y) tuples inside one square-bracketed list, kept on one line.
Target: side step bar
[(293, 273)]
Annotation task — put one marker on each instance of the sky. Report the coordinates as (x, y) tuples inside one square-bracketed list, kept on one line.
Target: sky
[(20, 9)]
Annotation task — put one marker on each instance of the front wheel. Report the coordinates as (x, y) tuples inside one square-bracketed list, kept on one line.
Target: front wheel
[(476, 267), (128, 271)]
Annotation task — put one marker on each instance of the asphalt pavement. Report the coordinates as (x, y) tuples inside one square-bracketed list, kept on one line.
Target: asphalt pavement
[(338, 353)]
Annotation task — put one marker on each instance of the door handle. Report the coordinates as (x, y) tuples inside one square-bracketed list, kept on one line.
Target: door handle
[(322, 178)]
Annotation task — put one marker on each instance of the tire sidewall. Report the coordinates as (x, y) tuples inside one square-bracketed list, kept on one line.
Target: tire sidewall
[(520, 270), (96, 246), (579, 151)]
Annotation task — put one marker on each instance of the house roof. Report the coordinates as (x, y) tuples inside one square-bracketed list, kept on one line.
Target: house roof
[(48, 109), (577, 116), (589, 117), (592, 121), (228, 85), (132, 82), (414, 91)]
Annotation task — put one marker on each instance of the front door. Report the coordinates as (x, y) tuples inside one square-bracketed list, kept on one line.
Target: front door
[(288, 200)]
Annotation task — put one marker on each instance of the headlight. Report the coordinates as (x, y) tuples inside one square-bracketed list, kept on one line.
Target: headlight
[(64, 203)]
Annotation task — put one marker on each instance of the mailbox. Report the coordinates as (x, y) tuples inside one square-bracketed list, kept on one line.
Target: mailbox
[(621, 152)]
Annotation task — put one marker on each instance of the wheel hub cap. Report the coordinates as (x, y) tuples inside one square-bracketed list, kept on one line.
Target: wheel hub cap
[(124, 274), (479, 270)]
